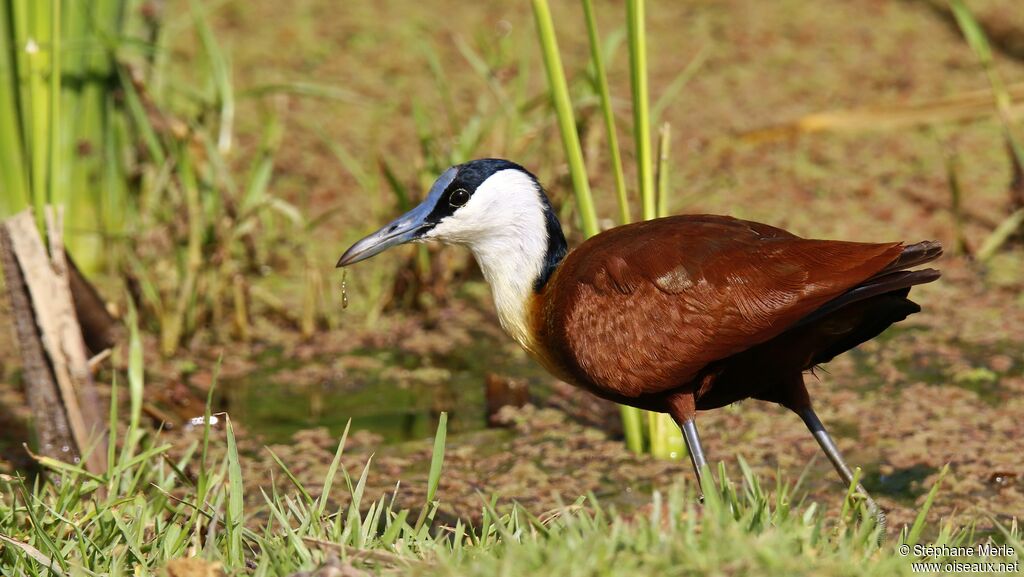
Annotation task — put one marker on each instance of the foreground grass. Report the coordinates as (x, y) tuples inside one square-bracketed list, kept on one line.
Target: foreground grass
[(151, 509), (148, 511)]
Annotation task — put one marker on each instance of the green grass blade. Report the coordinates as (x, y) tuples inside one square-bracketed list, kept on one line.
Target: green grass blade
[(922, 515), (291, 476), (38, 529), (112, 426), (35, 554), (140, 119), (235, 513), (291, 537), (366, 179), (664, 143), (437, 457), (355, 521), (436, 462), (220, 72), (998, 237), (678, 83), (263, 165), (395, 184), (331, 472), (851, 490), (136, 379)]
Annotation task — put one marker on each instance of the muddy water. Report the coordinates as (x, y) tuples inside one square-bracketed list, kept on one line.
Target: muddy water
[(393, 393)]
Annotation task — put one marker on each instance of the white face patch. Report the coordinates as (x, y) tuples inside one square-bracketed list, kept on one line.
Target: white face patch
[(505, 226)]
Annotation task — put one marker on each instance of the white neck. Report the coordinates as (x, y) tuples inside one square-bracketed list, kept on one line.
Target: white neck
[(511, 266), (505, 225)]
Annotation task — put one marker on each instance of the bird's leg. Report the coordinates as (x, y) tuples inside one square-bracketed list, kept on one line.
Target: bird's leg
[(792, 394), (832, 452), (696, 451), (683, 409)]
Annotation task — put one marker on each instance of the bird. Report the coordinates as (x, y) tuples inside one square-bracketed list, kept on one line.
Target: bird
[(677, 314)]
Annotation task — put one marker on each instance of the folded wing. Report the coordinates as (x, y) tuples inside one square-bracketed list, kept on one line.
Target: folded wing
[(643, 308)]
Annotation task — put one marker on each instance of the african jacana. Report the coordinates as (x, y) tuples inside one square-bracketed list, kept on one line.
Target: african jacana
[(675, 315)]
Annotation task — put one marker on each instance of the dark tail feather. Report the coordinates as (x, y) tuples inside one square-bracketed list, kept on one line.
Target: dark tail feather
[(873, 287), (914, 255), (890, 279), (876, 314), (881, 284)]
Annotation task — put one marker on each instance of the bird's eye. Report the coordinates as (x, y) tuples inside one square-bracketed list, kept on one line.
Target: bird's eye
[(459, 197)]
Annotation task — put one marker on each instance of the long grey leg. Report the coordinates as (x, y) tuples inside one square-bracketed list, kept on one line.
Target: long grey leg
[(682, 407), (697, 458), (832, 452)]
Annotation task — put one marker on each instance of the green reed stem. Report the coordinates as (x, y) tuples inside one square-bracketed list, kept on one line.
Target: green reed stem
[(35, 32), (641, 114), (53, 157), (566, 119), (664, 436), (13, 170), (666, 439), (606, 108)]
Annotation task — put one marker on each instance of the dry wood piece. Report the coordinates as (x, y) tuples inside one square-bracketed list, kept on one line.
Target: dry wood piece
[(61, 384), (51, 423)]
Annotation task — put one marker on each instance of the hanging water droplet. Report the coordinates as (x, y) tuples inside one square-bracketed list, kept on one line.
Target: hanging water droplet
[(344, 289)]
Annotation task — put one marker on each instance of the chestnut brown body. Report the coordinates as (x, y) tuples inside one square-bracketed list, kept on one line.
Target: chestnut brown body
[(699, 311)]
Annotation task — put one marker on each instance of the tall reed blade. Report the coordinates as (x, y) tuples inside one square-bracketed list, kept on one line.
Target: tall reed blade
[(566, 119), (637, 37), (53, 158), (664, 437), (13, 168), (38, 65), (601, 78)]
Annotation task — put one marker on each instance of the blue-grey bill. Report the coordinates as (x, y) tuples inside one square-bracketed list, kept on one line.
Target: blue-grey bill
[(406, 228), (403, 229)]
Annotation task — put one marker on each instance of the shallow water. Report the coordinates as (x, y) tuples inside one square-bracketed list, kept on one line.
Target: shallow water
[(393, 393)]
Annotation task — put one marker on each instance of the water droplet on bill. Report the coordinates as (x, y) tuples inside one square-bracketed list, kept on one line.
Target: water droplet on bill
[(344, 289)]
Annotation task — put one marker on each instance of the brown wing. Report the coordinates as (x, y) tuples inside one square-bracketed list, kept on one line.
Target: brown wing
[(643, 308)]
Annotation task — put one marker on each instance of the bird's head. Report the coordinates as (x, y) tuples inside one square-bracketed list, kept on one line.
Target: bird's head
[(494, 207), (498, 210)]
